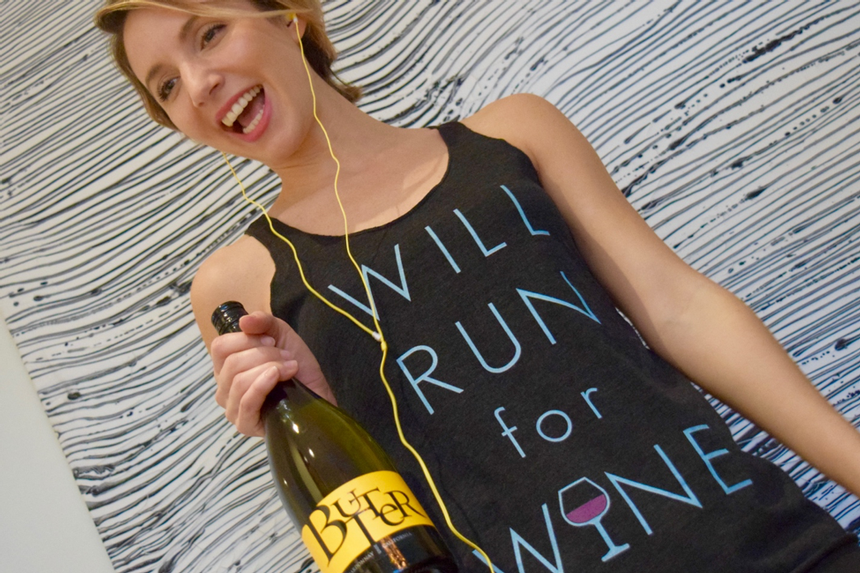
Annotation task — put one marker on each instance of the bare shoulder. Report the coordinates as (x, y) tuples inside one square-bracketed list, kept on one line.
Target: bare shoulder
[(526, 121), (241, 271), (509, 114)]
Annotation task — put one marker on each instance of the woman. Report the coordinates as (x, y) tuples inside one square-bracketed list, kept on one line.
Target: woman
[(496, 250)]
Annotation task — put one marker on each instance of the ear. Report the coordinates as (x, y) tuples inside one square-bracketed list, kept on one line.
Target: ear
[(302, 25)]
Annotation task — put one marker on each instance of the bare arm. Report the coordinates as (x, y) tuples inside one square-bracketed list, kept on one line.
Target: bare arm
[(700, 328), (250, 363)]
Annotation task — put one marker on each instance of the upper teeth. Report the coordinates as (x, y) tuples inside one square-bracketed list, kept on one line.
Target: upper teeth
[(240, 106)]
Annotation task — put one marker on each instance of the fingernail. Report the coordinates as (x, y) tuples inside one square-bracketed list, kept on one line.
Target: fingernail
[(267, 341), (285, 354)]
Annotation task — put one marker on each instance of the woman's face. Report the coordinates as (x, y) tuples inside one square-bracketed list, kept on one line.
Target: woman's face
[(237, 85)]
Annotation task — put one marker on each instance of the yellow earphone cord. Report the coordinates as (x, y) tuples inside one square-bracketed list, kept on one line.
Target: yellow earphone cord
[(377, 335)]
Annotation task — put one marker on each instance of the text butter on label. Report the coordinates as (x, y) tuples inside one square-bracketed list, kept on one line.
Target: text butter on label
[(361, 512)]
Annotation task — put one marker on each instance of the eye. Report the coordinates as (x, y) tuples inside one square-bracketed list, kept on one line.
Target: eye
[(210, 33), (165, 87)]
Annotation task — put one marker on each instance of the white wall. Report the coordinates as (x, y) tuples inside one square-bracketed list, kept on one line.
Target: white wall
[(44, 523)]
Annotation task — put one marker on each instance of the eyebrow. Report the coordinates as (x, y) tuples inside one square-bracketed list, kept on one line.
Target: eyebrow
[(183, 35), (154, 71), (186, 27)]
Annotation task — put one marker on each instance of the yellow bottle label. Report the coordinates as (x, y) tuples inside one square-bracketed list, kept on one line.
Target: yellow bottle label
[(349, 520)]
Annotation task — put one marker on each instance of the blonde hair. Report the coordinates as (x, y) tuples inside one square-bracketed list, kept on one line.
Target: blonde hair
[(319, 50)]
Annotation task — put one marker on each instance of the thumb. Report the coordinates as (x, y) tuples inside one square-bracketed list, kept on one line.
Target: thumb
[(259, 322)]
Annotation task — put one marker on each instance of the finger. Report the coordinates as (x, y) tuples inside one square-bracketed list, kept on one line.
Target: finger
[(248, 420), (240, 384), (226, 345), (233, 390), (239, 364), (245, 360)]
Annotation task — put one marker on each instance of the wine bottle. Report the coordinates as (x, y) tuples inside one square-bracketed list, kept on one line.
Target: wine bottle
[(355, 512)]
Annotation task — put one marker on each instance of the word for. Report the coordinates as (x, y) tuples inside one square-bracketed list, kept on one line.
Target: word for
[(508, 431)]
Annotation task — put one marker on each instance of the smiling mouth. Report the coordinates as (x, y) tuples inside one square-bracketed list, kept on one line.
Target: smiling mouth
[(247, 112)]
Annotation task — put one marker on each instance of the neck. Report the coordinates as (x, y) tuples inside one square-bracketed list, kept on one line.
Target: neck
[(358, 141)]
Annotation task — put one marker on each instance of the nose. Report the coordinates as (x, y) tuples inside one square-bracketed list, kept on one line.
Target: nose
[(202, 82)]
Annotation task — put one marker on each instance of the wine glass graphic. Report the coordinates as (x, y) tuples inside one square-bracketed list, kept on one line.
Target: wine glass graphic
[(585, 503)]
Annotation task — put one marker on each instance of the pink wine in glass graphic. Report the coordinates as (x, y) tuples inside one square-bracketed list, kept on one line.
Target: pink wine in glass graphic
[(585, 503)]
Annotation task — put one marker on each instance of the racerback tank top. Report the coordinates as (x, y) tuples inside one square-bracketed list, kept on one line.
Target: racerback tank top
[(559, 441)]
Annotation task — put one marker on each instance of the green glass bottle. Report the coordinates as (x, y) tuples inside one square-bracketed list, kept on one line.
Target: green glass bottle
[(355, 513)]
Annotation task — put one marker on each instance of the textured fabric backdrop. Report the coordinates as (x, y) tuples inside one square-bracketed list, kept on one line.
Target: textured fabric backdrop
[(732, 127)]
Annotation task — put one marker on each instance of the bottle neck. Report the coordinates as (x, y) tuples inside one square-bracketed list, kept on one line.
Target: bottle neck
[(287, 396)]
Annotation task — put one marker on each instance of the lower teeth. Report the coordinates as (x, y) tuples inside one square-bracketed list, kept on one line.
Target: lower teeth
[(250, 127)]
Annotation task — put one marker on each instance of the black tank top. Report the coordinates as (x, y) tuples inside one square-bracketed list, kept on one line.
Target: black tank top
[(559, 441)]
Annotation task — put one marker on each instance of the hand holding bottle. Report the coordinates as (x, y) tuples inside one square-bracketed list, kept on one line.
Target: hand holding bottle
[(249, 364), (355, 512)]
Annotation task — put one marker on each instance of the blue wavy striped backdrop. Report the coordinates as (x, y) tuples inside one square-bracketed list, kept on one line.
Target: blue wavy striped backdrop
[(733, 127)]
